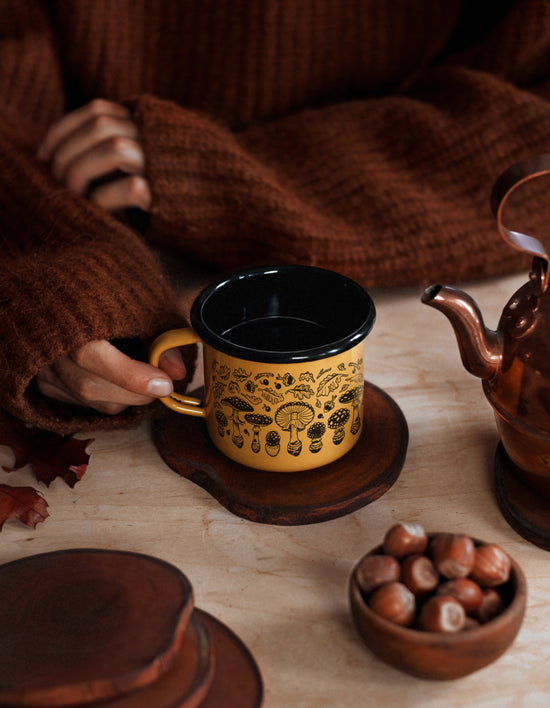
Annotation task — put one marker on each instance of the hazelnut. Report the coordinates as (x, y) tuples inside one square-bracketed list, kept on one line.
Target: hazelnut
[(491, 565), (395, 602), (470, 623), (492, 605), (442, 613), (405, 539), (419, 574), (453, 554), (465, 590), (376, 570)]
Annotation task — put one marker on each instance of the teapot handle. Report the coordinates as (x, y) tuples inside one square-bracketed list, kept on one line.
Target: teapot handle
[(506, 184)]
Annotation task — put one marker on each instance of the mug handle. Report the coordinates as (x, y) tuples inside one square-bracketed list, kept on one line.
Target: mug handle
[(177, 338)]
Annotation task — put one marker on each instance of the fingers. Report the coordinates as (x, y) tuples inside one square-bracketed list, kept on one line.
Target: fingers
[(171, 362), (117, 153), (56, 386), (96, 131), (101, 377), (72, 122), (96, 142), (123, 193)]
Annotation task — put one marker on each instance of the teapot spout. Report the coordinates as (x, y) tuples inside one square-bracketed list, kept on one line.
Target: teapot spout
[(480, 347)]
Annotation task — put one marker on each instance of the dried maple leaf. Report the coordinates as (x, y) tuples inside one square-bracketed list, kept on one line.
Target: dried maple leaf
[(24, 503), (50, 455)]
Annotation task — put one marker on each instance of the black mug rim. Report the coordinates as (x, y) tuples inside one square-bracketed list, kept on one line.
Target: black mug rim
[(331, 348)]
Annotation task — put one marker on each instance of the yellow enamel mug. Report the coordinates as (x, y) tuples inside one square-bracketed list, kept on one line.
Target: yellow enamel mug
[(283, 351)]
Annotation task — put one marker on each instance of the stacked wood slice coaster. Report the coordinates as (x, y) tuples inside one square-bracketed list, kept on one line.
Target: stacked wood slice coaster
[(113, 629)]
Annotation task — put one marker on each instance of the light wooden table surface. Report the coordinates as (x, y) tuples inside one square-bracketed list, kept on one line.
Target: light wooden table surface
[(283, 590)]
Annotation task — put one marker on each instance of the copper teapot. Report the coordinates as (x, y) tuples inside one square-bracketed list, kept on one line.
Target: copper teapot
[(514, 360)]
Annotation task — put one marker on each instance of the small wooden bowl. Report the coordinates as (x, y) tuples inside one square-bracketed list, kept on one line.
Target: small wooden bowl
[(435, 655)]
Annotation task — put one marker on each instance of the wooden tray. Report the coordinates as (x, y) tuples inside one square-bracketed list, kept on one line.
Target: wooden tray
[(527, 512), (364, 474), (68, 624)]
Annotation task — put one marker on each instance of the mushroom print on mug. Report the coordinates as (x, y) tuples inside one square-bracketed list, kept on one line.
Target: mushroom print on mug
[(299, 412)]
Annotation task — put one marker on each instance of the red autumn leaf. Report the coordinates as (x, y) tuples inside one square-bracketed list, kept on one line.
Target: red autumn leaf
[(60, 457), (50, 455), (24, 503)]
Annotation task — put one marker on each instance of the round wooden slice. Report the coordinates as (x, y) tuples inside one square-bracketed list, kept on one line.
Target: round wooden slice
[(364, 474), (184, 685), (214, 669), (524, 509), (237, 682), (83, 625)]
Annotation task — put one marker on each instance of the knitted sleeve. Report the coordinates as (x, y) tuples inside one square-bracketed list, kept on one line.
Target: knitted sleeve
[(69, 273), (390, 190)]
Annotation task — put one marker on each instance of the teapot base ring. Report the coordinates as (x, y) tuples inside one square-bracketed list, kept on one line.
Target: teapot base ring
[(525, 510)]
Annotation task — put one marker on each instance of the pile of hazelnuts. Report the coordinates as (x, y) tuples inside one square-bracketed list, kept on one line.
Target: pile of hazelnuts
[(442, 583)]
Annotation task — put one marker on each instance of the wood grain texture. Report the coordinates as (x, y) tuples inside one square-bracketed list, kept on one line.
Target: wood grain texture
[(283, 589), (77, 626), (212, 669)]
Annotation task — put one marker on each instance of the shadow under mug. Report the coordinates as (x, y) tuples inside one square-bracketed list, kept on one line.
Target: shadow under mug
[(283, 365)]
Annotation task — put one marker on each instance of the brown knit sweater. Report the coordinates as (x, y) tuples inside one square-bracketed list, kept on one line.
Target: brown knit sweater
[(358, 135)]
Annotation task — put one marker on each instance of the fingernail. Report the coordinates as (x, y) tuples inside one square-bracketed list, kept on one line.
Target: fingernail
[(159, 387)]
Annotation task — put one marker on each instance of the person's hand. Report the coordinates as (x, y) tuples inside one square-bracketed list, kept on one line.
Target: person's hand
[(99, 143), (100, 376)]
